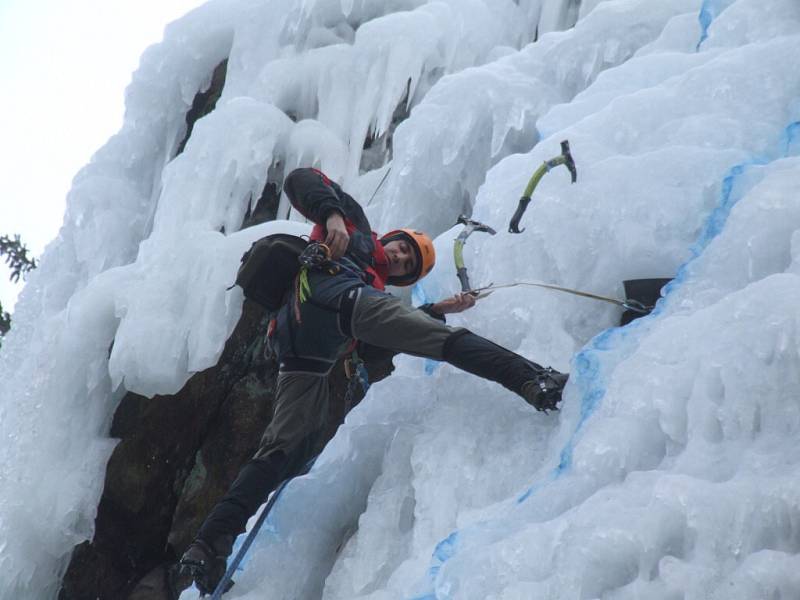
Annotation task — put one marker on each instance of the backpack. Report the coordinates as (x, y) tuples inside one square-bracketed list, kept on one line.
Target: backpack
[(269, 267)]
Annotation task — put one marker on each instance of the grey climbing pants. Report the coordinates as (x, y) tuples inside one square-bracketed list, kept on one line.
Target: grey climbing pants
[(301, 406), (387, 322)]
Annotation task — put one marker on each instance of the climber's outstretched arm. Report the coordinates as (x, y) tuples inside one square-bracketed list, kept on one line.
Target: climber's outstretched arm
[(382, 320)]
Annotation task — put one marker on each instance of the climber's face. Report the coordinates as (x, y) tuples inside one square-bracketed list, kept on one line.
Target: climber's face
[(402, 258)]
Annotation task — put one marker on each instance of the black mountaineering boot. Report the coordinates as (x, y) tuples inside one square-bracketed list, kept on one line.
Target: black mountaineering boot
[(544, 392), (177, 581), (206, 564)]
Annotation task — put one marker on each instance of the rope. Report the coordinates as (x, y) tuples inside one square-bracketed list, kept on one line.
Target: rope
[(224, 583), (385, 175), (633, 305)]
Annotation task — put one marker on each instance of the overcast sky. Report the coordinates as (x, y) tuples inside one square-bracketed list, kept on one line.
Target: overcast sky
[(65, 65)]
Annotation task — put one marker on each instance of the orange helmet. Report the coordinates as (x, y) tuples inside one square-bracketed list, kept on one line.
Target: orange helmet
[(423, 246)]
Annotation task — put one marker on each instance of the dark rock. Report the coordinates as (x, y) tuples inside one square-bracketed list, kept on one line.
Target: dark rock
[(232, 438), (177, 456), (156, 461), (205, 101), (153, 586)]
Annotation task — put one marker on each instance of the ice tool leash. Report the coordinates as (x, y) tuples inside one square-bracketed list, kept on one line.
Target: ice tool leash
[(628, 304), (482, 292)]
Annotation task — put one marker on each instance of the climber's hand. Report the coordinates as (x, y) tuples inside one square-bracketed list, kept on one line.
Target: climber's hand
[(456, 304), (337, 238)]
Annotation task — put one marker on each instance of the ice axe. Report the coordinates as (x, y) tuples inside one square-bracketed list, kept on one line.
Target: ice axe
[(458, 247), (565, 158)]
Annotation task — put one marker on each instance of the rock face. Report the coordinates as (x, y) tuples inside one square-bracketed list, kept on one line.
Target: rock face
[(176, 455)]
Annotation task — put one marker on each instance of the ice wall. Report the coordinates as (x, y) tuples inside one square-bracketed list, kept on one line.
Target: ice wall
[(132, 296), (669, 470), (490, 111), (669, 473)]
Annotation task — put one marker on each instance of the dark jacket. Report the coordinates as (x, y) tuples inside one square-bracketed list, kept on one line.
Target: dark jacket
[(312, 335), (316, 197)]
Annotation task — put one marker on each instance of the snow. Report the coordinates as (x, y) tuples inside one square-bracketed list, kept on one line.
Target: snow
[(670, 471)]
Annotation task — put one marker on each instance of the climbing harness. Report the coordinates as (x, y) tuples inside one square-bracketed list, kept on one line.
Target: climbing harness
[(225, 583), (458, 247), (565, 158), (628, 304)]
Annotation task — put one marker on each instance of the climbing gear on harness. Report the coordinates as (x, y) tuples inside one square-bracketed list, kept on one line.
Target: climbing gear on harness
[(316, 256), (544, 392), (628, 304), (565, 158), (458, 247), (225, 583), (357, 377), (426, 254)]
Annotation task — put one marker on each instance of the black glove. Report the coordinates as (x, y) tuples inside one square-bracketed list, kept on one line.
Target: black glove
[(544, 392)]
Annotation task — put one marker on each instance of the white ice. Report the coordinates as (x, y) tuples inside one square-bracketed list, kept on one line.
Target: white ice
[(670, 471)]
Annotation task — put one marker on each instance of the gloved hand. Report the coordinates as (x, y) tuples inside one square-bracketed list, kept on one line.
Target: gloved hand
[(544, 392)]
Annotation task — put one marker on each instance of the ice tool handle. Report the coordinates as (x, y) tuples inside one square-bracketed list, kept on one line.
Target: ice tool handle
[(565, 158), (458, 247)]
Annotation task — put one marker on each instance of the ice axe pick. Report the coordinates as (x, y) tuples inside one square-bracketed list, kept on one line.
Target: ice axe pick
[(458, 247), (565, 158)]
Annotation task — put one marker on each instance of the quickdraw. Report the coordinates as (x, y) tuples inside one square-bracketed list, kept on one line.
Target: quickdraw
[(316, 256)]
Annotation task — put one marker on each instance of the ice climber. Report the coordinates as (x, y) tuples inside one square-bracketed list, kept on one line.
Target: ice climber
[(310, 336)]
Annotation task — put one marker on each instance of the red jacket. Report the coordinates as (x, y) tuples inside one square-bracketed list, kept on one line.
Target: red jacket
[(316, 197), (378, 270)]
